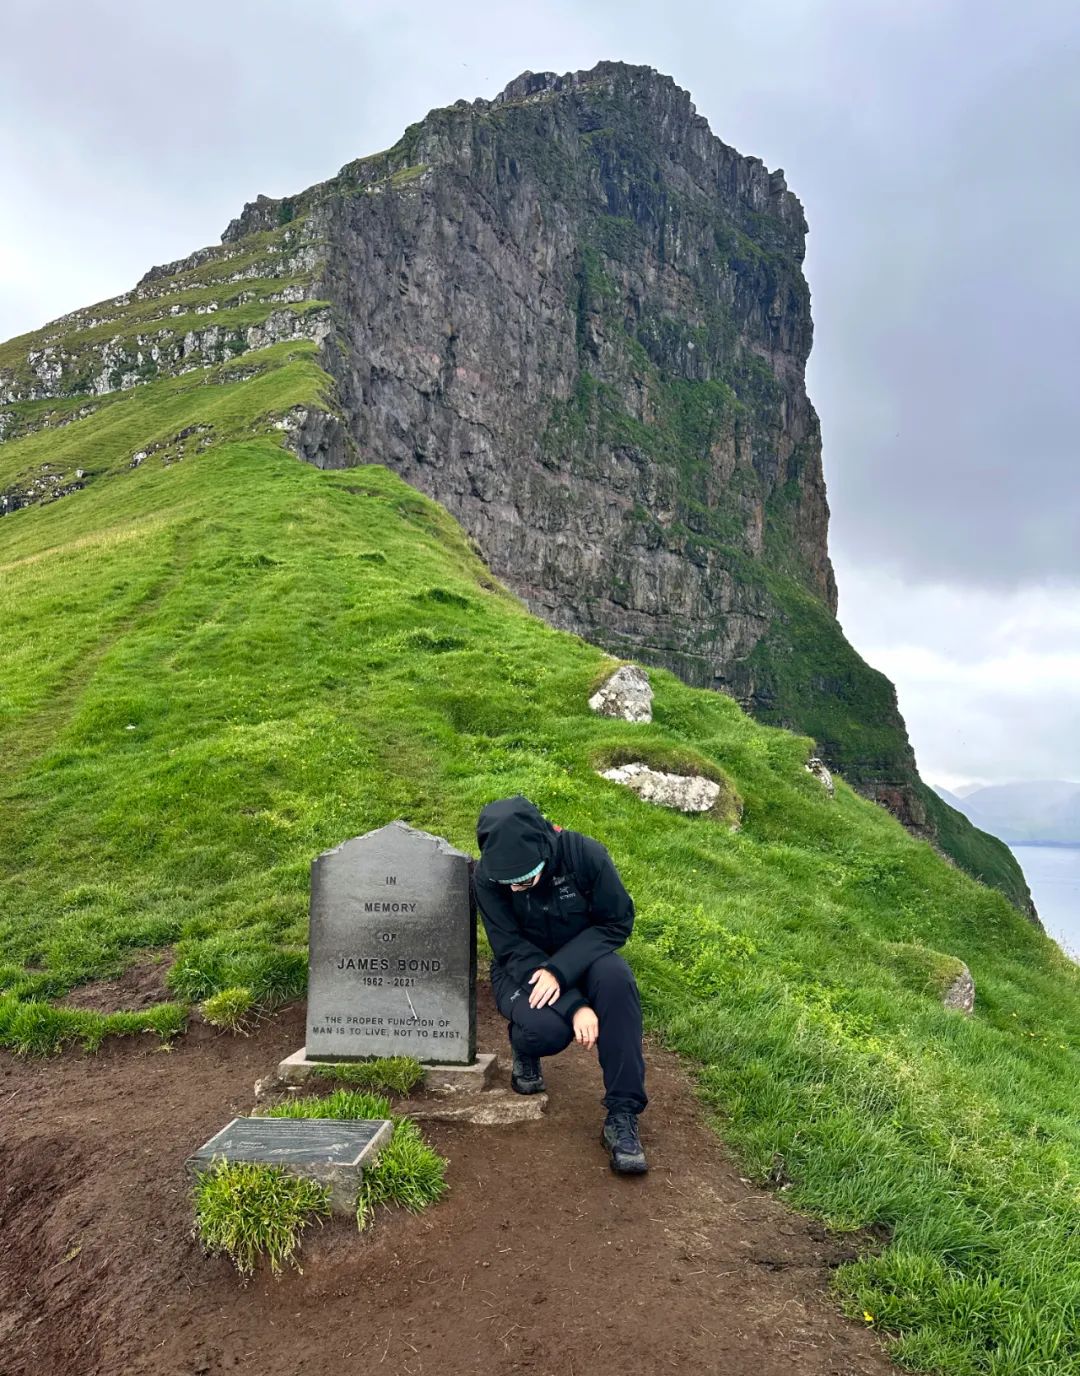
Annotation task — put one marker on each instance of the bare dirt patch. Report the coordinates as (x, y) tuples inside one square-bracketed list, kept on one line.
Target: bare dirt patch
[(540, 1260), (140, 985)]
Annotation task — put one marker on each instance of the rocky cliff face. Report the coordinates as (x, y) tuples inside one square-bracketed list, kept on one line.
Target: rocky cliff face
[(578, 320)]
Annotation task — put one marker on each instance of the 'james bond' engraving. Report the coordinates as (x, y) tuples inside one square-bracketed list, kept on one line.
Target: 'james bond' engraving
[(381, 963)]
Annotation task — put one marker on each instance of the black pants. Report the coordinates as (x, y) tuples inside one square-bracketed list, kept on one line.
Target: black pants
[(611, 992)]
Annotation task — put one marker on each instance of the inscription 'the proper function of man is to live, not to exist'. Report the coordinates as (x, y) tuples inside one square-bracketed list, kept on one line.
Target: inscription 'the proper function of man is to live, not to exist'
[(392, 950)]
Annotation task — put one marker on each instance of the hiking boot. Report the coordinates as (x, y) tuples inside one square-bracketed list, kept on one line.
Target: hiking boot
[(525, 1075), (620, 1137)]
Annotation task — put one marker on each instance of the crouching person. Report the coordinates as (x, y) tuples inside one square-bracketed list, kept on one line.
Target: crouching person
[(556, 912)]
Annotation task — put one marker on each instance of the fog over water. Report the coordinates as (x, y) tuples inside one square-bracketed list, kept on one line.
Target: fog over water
[(1053, 875)]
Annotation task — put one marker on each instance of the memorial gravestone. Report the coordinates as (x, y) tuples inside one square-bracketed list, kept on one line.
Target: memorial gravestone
[(391, 972), (392, 958)]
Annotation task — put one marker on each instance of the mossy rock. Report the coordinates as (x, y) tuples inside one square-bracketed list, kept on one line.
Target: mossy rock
[(921, 968), (670, 758)]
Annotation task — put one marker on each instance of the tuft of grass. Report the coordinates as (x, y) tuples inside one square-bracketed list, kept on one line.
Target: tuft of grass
[(231, 1009), (230, 960), (343, 1103), (408, 1172), (392, 1074), (246, 1210), (35, 1027)]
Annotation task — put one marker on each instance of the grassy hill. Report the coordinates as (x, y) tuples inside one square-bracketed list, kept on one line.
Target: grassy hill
[(216, 662), (639, 415)]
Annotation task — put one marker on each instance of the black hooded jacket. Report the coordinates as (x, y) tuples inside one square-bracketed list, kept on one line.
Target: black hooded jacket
[(577, 911)]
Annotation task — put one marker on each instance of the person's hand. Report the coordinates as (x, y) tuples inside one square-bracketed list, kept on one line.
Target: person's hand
[(545, 989), (586, 1026)]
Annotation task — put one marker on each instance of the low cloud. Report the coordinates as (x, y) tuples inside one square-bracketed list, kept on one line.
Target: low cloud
[(989, 685)]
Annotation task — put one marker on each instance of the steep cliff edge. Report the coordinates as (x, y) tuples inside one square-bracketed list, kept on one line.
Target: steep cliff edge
[(579, 321)]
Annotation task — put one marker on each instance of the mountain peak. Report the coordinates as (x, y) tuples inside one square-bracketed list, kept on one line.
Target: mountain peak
[(645, 109), (530, 84)]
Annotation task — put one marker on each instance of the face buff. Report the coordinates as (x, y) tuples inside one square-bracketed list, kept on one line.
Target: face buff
[(524, 878)]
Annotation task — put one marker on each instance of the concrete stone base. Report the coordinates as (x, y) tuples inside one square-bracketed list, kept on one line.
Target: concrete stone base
[(451, 1079), (494, 1108), (296, 1070)]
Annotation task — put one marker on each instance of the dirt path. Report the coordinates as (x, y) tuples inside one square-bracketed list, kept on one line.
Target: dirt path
[(540, 1260)]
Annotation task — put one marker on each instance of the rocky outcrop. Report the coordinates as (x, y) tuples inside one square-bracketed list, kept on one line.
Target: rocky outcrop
[(180, 317), (683, 792), (821, 772), (960, 995), (578, 319), (44, 486), (627, 694), (582, 328), (88, 365)]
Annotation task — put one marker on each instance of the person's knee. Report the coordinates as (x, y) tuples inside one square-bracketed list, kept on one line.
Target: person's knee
[(610, 974), (542, 1033)]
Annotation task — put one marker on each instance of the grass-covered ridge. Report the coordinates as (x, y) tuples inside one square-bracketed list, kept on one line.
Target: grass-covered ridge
[(219, 303), (212, 669)]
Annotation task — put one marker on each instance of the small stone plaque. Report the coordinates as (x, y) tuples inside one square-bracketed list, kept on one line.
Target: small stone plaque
[(294, 1141), (392, 964), (333, 1150)]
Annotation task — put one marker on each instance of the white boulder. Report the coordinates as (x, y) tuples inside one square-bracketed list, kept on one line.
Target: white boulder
[(684, 792), (626, 694), (820, 770)]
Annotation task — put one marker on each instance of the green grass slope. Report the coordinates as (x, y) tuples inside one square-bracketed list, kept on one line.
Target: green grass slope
[(221, 662), (806, 672)]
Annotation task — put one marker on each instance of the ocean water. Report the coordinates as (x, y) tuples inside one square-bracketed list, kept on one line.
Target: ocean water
[(1053, 876)]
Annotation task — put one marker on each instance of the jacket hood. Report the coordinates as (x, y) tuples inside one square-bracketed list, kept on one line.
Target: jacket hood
[(514, 837)]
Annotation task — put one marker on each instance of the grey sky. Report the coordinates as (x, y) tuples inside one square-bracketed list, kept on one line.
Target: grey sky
[(935, 146)]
